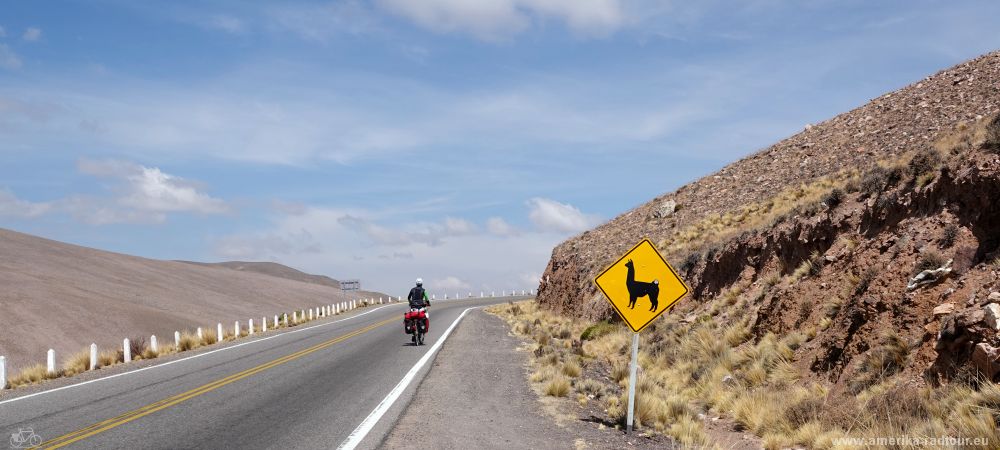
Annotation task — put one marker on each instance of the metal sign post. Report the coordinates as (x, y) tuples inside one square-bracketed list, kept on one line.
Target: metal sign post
[(631, 382)]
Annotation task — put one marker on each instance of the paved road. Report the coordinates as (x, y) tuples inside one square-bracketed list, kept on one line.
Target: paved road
[(306, 388)]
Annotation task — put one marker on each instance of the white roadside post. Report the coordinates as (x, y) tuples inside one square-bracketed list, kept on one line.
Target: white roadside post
[(310, 314), (295, 317), (250, 327), (93, 357), (126, 351), (177, 340), (218, 330), (51, 362), (631, 381), (199, 333), (236, 329), (263, 324), (3, 373), (275, 321), (285, 319), (152, 344)]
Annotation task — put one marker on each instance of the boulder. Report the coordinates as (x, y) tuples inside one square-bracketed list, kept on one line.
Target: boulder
[(666, 209), (992, 318), (929, 276), (986, 359), (944, 309), (994, 297)]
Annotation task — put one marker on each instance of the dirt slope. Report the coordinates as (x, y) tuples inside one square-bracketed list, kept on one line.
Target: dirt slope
[(62, 296)]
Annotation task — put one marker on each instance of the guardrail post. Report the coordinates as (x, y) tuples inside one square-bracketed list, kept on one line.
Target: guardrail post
[(310, 314), (236, 329), (177, 340), (250, 327), (285, 318), (218, 330), (93, 356), (275, 321), (199, 333), (263, 324), (295, 317), (3, 373), (152, 344), (126, 351), (51, 360)]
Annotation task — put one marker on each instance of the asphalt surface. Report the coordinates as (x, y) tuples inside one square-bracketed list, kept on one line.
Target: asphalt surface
[(306, 388), (477, 396)]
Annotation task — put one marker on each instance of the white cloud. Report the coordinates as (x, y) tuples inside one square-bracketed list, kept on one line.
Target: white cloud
[(269, 245), (432, 234), (8, 59), (150, 189), (449, 284), (11, 206), (478, 261), (500, 19), (458, 227), (323, 22), (550, 215), (227, 23), (500, 227), (32, 34)]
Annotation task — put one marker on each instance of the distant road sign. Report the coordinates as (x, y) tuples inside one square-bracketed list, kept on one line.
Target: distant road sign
[(350, 285), (641, 285)]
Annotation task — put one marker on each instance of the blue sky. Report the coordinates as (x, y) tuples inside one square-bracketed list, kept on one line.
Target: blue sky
[(454, 140)]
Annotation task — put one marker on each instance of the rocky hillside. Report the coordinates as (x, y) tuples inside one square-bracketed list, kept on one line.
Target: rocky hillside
[(827, 228)]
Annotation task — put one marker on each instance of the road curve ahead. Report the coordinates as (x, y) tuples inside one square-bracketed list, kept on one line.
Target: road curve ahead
[(309, 388)]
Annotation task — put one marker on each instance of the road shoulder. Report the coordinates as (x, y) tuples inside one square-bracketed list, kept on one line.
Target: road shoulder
[(477, 395)]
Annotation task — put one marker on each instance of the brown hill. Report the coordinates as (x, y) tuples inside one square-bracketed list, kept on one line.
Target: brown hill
[(62, 296), (824, 230), (274, 270)]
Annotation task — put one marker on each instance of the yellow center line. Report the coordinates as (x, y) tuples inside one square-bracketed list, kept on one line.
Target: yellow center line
[(127, 417)]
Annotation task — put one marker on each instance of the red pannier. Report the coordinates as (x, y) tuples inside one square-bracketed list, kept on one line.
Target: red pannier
[(418, 318)]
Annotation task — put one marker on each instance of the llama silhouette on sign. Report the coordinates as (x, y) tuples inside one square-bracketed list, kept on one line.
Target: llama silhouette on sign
[(638, 289)]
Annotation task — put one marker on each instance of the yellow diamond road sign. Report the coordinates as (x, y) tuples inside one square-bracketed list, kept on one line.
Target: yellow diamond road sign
[(641, 285)]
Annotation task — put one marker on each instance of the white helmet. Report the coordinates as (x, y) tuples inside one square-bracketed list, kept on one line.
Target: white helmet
[(420, 281)]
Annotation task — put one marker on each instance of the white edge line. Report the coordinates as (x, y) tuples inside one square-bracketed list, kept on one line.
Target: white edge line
[(286, 333), (359, 433)]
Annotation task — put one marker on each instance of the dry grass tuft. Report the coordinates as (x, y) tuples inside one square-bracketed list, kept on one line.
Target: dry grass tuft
[(558, 386), (31, 375), (571, 369), (78, 362), (187, 342), (591, 387), (208, 337)]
